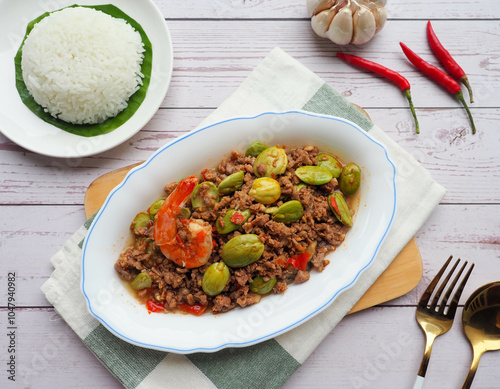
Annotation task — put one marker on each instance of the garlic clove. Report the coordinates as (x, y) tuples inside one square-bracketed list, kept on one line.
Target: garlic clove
[(380, 18), (314, 7), (353, 5), (379, 3), (321, 21), (379, 13), (363, 26), (341, 27)]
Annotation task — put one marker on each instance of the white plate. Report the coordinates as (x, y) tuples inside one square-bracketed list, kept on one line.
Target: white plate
[(117, 309), (26, 129)]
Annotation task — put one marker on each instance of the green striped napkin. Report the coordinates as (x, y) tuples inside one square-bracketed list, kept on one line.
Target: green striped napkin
[(279, 83)]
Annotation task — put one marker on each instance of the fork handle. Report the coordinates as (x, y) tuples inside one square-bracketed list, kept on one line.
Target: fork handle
[(429, 341), (419, 383)]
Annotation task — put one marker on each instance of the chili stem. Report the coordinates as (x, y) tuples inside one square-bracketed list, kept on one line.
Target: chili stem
[(460, 97), (464, 80), (407, 93)]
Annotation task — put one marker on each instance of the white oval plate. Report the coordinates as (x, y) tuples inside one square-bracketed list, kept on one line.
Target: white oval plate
[(119, 311), (26, 129)]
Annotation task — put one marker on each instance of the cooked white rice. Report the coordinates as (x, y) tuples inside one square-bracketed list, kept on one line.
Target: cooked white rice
[(82, 65)]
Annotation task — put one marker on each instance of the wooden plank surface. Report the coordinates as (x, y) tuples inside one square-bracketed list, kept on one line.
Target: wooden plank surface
[(216, 45), (296, 9), (202, 61), (445, 147), (27, 243), (387, 360)]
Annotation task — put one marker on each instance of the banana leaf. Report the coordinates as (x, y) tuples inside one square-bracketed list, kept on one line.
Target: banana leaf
[(110, 124)]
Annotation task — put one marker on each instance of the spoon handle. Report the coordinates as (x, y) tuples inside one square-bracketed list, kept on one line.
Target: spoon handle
[(473, 367)]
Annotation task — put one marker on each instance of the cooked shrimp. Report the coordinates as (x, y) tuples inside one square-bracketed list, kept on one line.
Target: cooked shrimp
[(187, 243)]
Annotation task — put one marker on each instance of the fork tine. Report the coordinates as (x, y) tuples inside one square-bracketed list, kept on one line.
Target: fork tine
[(450, 288), (428, 292), (443, 285), (458, 293)]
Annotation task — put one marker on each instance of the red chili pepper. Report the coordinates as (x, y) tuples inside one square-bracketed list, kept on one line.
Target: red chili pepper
[(440, 77), (195, 309), (300, 261), (237, 218), (447, 60), (203, 172), (153, 306), (334, 204), (179, 240), (387, 73)]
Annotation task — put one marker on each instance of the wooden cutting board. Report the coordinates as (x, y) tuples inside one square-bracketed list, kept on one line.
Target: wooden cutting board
[(402, 275)]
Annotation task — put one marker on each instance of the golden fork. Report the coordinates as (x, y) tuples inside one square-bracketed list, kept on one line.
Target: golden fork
[(431, 314)]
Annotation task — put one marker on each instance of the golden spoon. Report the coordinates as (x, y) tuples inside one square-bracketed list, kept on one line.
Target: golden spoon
[(481, 321)]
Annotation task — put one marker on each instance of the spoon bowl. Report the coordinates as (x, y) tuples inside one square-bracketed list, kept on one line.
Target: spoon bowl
[(481, 323)]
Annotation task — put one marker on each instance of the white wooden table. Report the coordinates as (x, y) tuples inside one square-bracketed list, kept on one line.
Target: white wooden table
[(217, 44)]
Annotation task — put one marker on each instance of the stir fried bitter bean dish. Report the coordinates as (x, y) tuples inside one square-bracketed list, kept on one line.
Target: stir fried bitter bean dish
[(250, 227)]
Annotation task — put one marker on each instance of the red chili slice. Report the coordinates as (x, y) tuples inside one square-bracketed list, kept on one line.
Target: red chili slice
[(153, 306), (195, 309), (203, 173), (179, 240), (237, 218), (334, 204), (300, 261)]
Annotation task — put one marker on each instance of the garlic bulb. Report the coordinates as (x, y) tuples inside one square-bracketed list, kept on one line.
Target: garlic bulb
[(347, 21)]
